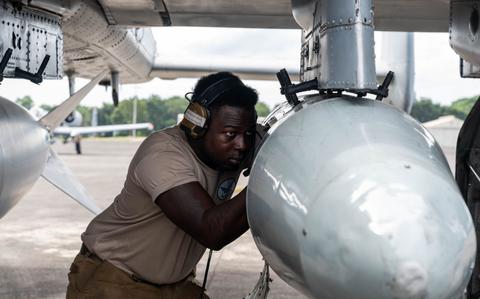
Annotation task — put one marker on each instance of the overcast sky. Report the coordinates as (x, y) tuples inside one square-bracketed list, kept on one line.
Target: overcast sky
[(437, 71)]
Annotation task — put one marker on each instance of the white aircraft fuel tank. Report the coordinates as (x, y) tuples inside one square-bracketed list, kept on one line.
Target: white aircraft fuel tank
[(352, 198), (24, 148)]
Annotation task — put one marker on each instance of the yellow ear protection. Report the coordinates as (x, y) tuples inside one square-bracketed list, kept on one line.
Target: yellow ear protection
[(197, 115)]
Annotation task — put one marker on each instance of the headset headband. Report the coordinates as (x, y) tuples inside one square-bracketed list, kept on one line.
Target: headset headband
[(215, 90)]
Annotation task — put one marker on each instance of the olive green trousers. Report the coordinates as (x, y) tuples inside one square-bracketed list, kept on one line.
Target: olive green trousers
[(93, 278)]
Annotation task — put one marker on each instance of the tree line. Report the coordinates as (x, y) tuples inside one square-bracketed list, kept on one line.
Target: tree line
[(163, 113), (425, 109), (160, 112)]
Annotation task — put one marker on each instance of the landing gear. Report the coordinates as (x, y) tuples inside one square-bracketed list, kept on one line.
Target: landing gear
[(78, 146)]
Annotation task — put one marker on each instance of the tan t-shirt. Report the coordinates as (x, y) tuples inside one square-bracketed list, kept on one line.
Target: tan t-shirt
[(133, 233)]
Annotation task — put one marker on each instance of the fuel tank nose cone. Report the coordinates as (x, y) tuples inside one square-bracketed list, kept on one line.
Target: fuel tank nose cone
[(366, 208)]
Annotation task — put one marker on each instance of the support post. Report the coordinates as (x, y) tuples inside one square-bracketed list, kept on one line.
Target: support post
[(115, 88), (71, 83)]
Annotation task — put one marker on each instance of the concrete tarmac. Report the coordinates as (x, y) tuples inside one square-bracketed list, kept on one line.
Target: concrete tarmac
[(40, 236)]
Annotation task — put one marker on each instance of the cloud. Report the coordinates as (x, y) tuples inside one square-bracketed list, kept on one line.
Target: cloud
[(236, 42), (437, 70)]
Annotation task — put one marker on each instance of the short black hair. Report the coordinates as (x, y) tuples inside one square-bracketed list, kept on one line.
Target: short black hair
[(239, 96)]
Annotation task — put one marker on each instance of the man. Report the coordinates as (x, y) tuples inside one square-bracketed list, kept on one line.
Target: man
[(174, 203)]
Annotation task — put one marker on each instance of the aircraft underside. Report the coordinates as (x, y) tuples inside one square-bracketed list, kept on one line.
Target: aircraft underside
[(350, 197)]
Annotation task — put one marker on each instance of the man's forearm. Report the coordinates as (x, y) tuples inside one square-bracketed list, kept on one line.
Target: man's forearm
[(227, 221)]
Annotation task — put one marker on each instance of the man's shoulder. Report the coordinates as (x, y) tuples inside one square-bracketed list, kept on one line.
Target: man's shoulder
[(170, 133), (172, 136), (165, 145)]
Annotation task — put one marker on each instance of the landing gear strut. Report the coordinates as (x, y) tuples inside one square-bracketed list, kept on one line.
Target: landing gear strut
[(78, 146)]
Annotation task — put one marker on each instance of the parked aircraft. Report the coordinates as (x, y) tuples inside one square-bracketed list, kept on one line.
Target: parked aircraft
[(353, 160), (71, 128)]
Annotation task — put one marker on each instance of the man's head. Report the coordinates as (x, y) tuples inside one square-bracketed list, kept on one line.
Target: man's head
[(230, 129)]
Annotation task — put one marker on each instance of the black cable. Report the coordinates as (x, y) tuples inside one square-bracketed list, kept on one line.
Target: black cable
[(206, 274), (188, 96)]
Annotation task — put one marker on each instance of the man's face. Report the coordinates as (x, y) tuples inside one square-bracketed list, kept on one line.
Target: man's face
[(229, 137)]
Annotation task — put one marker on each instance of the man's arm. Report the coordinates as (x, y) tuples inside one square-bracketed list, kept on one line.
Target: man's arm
[(191, 208)]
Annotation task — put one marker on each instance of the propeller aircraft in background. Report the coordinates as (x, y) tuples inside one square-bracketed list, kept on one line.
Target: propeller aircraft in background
[(72, 130)]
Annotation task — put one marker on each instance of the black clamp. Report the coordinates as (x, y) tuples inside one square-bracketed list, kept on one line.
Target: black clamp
[(290, 90), (35, 78), (383, 89), (4, 62)]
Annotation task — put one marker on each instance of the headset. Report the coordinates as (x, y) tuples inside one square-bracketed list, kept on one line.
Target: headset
[(197, 115)]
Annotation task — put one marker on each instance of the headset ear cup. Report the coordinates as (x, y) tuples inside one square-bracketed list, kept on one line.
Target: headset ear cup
[(195, 120)]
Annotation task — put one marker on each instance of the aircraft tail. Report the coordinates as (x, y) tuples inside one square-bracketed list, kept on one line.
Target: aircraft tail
[(53, 119), (61, 177)]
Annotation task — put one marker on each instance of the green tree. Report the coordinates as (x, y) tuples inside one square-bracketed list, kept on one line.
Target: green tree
[(449, 110), (425, 110), (46, 107), (123, 114), (174, 106), (262, 109), (104, 114), (155, 107), (26, 102), (86, 113), (163, 113), (160, 112), (462, 107)]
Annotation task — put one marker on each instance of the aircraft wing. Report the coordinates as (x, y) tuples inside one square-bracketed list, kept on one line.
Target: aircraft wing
[(166, 68), (123, 44), (75, 131), (390, 15)]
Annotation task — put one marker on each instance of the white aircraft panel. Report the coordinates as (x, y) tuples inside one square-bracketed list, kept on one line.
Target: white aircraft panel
[(391, 15)]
